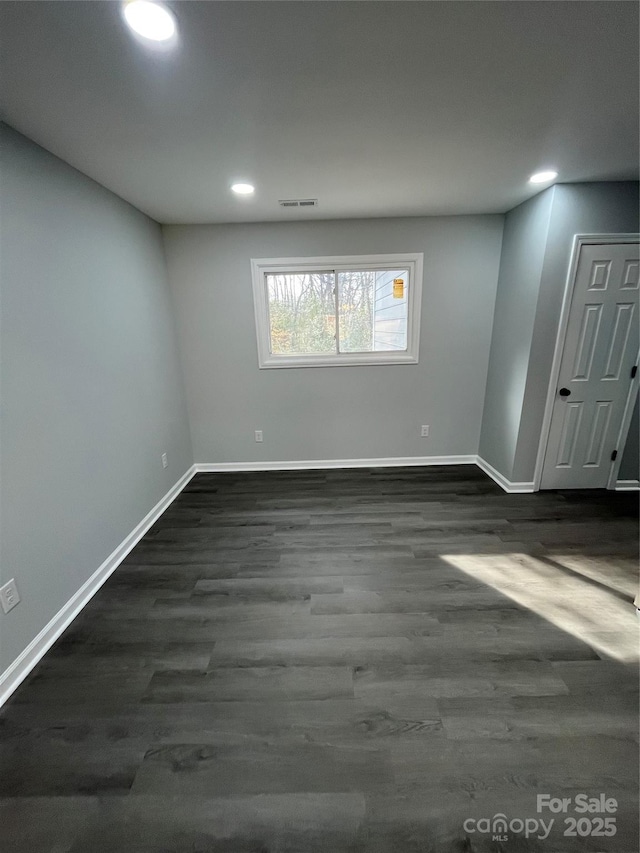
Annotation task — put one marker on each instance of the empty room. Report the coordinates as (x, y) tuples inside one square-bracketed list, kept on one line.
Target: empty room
[(319, 431)]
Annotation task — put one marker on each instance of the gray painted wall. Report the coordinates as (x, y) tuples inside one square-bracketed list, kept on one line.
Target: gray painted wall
[(91, 383), (336, 412), (607, 208), (523, 246)]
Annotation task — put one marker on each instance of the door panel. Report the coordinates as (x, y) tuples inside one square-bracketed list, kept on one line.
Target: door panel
[(570, 430), (631, 275), (619, 340), (599, 432), (600, 272), (601, 347), (587, 342)]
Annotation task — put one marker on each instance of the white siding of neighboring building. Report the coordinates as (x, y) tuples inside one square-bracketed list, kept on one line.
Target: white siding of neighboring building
[(390, 313)]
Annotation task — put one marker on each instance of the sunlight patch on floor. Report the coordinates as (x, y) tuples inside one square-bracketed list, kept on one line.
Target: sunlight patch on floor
[(588, 599)]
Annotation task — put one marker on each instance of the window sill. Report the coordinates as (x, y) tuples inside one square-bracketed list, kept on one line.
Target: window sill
[(345, 360)]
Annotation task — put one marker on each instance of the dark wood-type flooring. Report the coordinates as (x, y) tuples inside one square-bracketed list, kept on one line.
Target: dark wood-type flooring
[(339, 661)]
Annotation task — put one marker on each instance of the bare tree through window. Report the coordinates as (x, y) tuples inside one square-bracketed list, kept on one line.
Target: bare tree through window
[(326, 312)]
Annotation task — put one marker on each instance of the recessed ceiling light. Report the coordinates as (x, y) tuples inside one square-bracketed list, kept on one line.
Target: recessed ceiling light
[(150, 20), (543, 177), (243, 189)]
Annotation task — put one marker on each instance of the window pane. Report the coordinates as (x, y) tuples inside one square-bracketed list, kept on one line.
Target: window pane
[(373, 310), (301, 313)]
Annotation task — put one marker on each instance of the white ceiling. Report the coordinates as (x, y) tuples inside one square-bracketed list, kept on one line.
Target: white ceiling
[(375, 108)]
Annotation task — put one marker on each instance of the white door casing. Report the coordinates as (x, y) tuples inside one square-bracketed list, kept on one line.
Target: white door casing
[(595, 372)]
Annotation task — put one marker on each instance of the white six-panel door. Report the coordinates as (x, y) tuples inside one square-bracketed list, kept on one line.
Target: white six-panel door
[(600, 351)]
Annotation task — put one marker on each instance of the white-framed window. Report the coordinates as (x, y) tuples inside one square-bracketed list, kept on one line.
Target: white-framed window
[(331, 311)]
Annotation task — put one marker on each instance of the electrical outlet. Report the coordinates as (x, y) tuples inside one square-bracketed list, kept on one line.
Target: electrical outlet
[(165, 461), (424, 430), (9, 595), (258, 435)]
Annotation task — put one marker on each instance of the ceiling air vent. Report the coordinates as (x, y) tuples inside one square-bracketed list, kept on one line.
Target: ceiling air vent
[(298, 202)]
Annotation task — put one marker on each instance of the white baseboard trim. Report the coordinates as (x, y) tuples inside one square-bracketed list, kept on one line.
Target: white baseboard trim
[(512, 488), (12, 677), (375, 462), (627, 485), (315, 464)]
